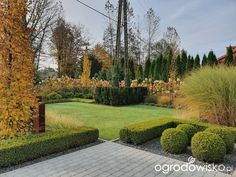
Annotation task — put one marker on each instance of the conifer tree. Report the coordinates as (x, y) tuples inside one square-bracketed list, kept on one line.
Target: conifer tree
[(147, 68), (153, 63), (178, 67), (197, 62), (212, 60), (204, 60), (139, 73), (229, 60), (164, 72), (131, 68), (17, 100), (158, 68), (184, 60)]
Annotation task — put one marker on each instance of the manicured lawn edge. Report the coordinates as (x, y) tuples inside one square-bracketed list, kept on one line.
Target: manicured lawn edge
[(19, 150), (80, 100), (145, 131)]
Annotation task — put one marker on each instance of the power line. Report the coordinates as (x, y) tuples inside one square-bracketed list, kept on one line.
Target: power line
[(88, 6)]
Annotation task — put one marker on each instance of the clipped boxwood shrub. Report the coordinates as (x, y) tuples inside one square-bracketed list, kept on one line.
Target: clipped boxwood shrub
[(190, 130), (226, 135), (53, 96), (208, 147), (120, 96), (140, 133), (174, 141), (22, 149)]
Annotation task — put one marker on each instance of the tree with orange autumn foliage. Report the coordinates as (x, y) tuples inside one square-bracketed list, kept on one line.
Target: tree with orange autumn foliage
[(17, 100), (103, 56), (85, 78)]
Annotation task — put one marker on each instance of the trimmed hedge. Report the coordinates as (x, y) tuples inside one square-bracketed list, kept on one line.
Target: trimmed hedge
[(68, 93), (174, 141), (226, 135), (145, 131), (208, 147), (120, 96), (23, 149)]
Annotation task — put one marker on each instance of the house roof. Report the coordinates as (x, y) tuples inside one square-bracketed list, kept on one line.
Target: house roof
[(222, 58)]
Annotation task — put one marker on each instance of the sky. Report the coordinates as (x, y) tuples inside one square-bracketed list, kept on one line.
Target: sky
[(203, 25)]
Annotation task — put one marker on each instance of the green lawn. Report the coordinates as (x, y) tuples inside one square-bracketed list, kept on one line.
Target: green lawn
[(109, 120)]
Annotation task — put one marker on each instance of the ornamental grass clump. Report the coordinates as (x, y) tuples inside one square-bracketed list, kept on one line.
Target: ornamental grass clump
[(212, 93)]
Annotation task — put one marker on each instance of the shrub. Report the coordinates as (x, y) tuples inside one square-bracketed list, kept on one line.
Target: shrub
[(190, 130), (19, 150), (120, 96), (140, 133), (53, 96), (174, 141), (208, 147), (226, 135), (164, 100), (214, 97), (151, 99)]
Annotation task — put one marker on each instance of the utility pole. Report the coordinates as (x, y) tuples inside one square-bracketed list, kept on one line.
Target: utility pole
[(127, 74), (118, 33)]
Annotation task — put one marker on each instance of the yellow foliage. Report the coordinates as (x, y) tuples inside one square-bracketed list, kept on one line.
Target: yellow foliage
[(17, 103), (85, 78), (102, 55)]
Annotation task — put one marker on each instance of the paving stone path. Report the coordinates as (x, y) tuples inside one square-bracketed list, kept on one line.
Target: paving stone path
[(106, 159)]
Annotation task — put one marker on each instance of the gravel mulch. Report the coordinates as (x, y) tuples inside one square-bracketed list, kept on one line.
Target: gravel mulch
[(4, 170), (154, 146)]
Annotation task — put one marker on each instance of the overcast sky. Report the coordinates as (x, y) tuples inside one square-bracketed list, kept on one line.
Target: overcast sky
[(203, 25)]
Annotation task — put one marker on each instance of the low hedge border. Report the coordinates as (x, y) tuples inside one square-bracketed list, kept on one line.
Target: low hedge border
[(145, 131), (23, 149), (75, 100)]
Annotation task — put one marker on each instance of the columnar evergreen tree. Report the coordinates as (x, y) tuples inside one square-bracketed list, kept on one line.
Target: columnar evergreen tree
[(158, 68), (178, 66), (164, 71), (204, 60), (197, 62), (189, 64), (212, 59), (153, 63), (184, 60), (18, 102), (147, 68), (229, 60), (131, 68), (139, 74)]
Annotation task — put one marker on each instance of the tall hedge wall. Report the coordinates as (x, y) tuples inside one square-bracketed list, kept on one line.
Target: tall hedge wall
[(120, 96)]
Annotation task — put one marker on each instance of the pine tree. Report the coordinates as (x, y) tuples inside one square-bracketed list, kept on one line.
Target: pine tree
[(147, 68), (229, 60), (85, 78), (204, 60), (18, 102), (212, 60), (197, 62)]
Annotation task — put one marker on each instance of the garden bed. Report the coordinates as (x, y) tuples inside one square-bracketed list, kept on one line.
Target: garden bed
[(154, 146)]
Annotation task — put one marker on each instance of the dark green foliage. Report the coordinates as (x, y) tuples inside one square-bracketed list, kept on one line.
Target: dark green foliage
[(184, 60), (147, 68), (139, 74), (174, 141), (69, 93), (197, 62), (53, 96), (158, 68), (226, 135), (208, 147), (165, 71), (152, 71), (212, 59), (96, 66), (131, 68), (115, 74), (179, 66), (229, 60), (204, 60), (190, 130), (142, 132), (27, 148), (120, 96)]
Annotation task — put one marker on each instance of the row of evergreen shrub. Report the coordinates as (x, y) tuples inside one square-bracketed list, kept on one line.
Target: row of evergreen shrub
[(120, 96), (22, 149), (87, 93)]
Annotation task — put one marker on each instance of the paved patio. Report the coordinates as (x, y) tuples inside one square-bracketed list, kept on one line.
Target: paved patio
[(106, 159)]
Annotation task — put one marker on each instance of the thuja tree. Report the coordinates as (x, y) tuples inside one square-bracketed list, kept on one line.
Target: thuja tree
[(18, 102), (85, 78)]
